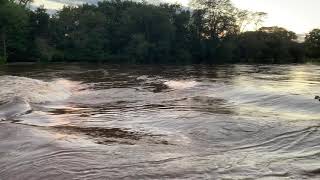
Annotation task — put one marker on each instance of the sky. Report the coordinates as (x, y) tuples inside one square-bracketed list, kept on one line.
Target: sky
[(300, 16)]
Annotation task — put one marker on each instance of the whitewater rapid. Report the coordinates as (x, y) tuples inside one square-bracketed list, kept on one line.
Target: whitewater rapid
[(14, 108), (159, 122), (34, 90), (19, 94)]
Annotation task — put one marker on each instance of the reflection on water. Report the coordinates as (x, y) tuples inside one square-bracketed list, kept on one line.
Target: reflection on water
[(160, 122)]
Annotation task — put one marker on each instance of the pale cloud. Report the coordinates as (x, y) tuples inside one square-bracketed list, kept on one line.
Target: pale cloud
[(48, 4), (182, 2)]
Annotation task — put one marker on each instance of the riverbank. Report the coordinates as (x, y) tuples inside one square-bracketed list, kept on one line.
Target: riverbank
[(315, 61)]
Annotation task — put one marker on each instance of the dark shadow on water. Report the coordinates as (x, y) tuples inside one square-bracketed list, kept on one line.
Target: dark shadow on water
[(108, 136), (158, 87), (312, 173), (211, 105), (203, 104)]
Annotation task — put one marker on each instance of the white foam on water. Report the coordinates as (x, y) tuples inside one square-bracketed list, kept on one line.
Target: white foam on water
[(183, 84), (40, 118), (143, 77), (16, 107), (36, 91)]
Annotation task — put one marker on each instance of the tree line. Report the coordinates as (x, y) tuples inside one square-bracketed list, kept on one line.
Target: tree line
[(117, 31)]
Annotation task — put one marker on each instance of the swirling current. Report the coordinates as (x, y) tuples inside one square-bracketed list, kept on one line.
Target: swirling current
[(86, 121)]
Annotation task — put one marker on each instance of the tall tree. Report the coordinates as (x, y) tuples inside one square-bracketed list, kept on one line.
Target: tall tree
[(22, 2), (220, 17), (13, 19), (116, 30), (313, 43)]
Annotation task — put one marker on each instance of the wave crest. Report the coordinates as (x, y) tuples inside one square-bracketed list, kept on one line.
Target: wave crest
[(35, 91), (180, 84)]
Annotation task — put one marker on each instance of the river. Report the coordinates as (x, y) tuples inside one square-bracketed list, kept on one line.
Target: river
[(87, 121)]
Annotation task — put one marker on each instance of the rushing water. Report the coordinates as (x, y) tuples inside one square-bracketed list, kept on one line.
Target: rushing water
[(159, 122)]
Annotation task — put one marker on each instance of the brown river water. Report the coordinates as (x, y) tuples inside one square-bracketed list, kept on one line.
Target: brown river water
[(82, 121)]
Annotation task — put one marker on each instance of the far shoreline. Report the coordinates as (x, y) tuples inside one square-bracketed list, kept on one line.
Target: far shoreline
[(308, 61)]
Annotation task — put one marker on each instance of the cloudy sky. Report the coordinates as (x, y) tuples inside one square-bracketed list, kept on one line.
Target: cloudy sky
[(300, 16)]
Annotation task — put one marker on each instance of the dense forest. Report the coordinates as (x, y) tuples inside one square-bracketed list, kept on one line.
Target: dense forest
[(210, 31)]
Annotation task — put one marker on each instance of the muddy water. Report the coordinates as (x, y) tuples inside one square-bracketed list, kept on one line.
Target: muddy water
[(159, 122)]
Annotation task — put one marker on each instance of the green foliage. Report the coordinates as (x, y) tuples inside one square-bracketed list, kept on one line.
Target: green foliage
[(13, 29), (313, 43), (270, 45), (2, 60), (125, 31), (219, 17), (139, 49)]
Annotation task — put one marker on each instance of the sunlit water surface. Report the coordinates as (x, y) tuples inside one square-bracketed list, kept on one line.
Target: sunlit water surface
[(159, 122)]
